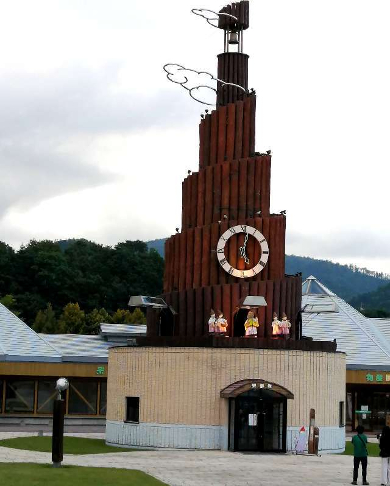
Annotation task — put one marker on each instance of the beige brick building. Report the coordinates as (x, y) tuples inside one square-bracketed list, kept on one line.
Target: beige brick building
[(178, 391)]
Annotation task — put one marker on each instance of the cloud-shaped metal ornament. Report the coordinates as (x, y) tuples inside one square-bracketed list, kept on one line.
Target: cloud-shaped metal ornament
[(180, 75), (204, 12)]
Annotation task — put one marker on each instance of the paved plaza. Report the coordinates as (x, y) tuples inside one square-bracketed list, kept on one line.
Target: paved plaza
[(213, 468)]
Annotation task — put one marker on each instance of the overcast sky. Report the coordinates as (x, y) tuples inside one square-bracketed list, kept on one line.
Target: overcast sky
[(89, 124)]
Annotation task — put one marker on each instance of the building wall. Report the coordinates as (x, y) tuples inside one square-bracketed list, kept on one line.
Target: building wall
[(181, 387)]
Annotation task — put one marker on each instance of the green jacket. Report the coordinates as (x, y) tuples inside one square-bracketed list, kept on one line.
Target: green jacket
[(359, 442)]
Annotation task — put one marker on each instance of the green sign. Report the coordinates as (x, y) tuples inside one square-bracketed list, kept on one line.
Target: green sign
[(377, 377), (100, 370)]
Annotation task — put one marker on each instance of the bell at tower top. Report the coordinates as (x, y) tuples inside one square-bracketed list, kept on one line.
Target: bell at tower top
[(234, 19)]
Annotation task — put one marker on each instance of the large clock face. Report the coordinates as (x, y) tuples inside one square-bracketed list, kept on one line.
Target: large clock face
[(254, 267)]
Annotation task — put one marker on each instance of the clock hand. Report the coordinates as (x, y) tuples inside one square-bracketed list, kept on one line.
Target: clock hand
[(243, 250)]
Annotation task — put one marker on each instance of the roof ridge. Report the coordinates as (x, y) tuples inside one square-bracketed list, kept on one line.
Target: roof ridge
[(372, 338)]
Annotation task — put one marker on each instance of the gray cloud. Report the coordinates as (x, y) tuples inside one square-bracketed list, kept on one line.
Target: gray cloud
[(341, 244)]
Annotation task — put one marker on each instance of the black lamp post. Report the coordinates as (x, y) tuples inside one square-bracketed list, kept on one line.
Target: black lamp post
[(57, 448)]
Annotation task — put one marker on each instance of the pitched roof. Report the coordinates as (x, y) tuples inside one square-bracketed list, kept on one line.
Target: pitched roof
[(18, 342), (326, 317)]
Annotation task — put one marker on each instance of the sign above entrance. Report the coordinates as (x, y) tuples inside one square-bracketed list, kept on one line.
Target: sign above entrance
[(243, 386), (377, 377)]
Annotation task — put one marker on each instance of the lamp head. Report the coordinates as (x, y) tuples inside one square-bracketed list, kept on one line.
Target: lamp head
[(62, 384)]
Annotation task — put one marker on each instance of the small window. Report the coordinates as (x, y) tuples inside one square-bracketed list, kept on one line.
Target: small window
[(341, 414), (132, 409)]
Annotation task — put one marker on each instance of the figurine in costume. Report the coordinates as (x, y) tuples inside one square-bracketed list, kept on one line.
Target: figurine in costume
[(285, 326), (276, 330), (221, 324), (251, 325), (212, 322)]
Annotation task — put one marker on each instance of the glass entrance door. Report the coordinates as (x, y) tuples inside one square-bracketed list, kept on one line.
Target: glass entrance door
[(260, 421)]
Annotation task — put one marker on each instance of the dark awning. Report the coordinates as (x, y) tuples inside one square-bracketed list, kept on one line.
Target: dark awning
[(243, 386)]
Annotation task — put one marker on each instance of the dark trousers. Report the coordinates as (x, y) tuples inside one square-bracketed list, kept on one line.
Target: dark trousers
[(356, 462)]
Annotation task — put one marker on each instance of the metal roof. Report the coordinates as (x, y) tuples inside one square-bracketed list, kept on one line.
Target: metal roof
[(18, 342), (326, 317)]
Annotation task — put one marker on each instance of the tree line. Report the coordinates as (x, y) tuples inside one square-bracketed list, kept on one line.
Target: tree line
[(68, 286)]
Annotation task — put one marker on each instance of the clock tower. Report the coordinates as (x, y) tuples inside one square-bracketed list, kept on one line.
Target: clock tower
[(230, 245)]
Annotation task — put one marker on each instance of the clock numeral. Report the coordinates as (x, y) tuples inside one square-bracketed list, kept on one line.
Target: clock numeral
[(254, 232), (232, 231), (262, 263), (262, 241), (265, 252), (222, 250), (223, 261), (243, 274), (231, 270), (243, 227), (254, 271), (223, 238)]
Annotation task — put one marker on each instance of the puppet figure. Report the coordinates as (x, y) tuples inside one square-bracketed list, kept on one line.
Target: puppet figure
[(251, 325), (221, 323), (285, 326), (276, 330), (212, 321)]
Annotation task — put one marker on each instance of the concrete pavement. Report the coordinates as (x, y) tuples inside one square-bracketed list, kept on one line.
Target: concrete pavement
[(215, 468)]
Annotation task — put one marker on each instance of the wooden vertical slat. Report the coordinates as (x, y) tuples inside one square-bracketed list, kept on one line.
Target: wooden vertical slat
[(166, 250), (283, 292), (194, 199), (250, 198), (190, 258), (217, 184), (201, 201), (182, 313), (289, 298), (225, 187), (258, 204), (206, 144), (190, 325), (183, 203), (267, 194), (197, 257), (242, 188), (206, 256), (276, 303), (208, 210), (201, 143), (214, 264), (176, 263), (274, 244), (235, 299), (183, 256), (265, 232), (222, 125), (239, 129), (233, 203), (175, 305), (208, 305), (262, 290), (199, 312), (269, 312), (230, 136), (214, 137), (252, 125), (217, 297), (247, 127), (226, 306)]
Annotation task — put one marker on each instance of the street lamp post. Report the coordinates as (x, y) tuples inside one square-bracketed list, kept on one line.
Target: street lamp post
[(58, 423)]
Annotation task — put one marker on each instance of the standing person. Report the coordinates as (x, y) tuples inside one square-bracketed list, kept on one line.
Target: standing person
[(360, 454), (384, 446)]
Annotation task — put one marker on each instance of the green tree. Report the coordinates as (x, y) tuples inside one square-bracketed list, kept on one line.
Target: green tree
[(46, 322), (7, 261), (137, 317), (121, 316), (94, 319), (72, 319), (9, 301)]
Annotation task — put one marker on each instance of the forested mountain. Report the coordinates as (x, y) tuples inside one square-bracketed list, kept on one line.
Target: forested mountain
[(372, 302), (77, 271), (347, 281)]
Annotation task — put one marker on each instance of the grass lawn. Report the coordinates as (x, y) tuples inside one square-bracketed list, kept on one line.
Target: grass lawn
[(372, 447), (43, 474), (72, 445)]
